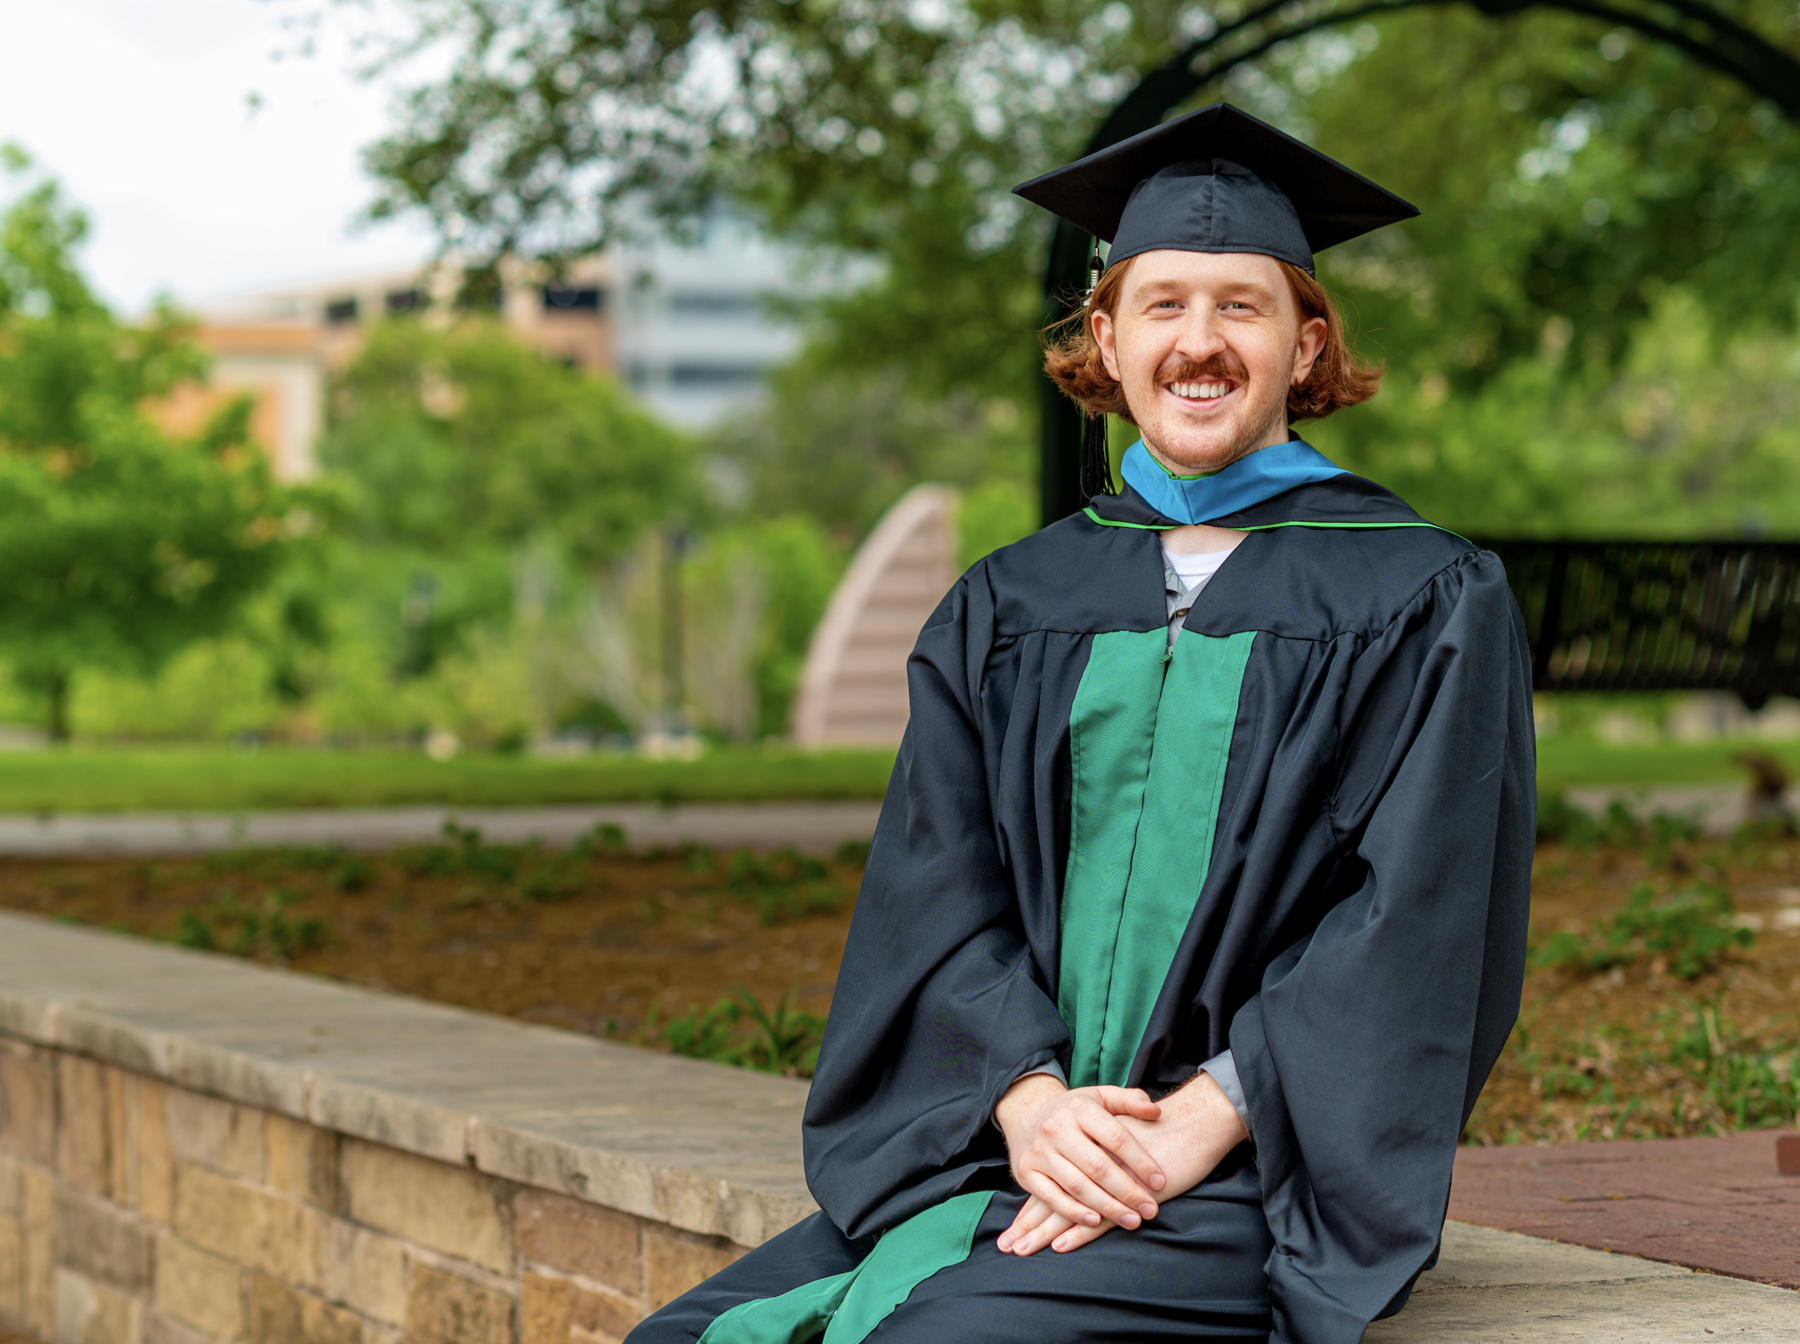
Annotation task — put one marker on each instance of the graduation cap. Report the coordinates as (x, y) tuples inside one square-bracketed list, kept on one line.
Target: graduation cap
[(1216, 180)]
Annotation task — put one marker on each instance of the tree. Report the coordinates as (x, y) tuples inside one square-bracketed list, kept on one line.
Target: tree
[(118, 545), (461, 437), (1571, 174)]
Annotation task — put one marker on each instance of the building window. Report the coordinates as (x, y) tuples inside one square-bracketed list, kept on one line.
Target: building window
[(340, 311), (711, 303), (405, 301), (573, 299), (717, 376)]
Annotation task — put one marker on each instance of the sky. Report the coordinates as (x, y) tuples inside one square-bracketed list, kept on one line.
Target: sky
[(141, 108)]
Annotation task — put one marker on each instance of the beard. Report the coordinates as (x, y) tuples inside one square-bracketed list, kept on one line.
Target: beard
[(1263, 411)]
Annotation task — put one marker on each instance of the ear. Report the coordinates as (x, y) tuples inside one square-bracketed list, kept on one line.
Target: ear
[(1106, 337), (1308, 347)]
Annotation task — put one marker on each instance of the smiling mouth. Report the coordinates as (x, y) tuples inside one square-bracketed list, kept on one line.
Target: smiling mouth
[(1211, 389)]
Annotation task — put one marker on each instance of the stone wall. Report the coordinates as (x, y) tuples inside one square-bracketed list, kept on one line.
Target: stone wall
[(138, 1207)]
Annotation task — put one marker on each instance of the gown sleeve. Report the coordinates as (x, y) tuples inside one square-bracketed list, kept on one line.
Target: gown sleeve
[(939, 1009), (1370, 1038)]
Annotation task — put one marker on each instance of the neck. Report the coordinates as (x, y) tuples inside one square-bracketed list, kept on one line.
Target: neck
[(1207, 464)]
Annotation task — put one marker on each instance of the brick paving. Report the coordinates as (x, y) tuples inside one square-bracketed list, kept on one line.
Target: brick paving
[(1716, 1204)]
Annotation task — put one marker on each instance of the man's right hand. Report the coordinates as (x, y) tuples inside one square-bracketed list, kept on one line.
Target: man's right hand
[(1070, 1150)]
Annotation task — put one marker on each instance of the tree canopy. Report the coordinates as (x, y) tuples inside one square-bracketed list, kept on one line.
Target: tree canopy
[(118, 544), (1571, 174), (461, 436)]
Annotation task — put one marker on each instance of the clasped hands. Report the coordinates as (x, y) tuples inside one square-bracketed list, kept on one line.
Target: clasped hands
[(1095, 1158)]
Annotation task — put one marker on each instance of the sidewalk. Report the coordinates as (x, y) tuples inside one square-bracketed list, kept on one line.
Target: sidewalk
[(1717, 1205), (818, 826), (1494, 1287)]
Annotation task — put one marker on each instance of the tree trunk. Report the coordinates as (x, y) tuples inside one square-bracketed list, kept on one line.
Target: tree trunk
[(59, 705)]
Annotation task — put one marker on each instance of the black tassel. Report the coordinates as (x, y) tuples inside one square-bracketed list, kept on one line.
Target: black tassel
[(1096, 460)]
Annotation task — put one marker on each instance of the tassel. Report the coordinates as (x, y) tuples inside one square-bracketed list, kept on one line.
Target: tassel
[(1096, 461)]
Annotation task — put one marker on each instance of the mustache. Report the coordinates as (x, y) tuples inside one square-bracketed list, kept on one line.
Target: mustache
[(1222, 366)]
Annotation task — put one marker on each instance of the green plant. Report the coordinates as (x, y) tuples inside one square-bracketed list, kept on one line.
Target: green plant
[(1690, 931), (1559, 819), (786, 1040), (740, 1031), (191, 930), (783, 884), (556, 879), (351, 872), (229, 925), (1753, 1083), (706, 1034)]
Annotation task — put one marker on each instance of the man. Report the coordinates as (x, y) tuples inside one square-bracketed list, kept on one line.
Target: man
[(1195, 916)]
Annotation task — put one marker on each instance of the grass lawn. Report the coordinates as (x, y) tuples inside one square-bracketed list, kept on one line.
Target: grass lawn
[(1575, 761), (103, 779), (118, 779)]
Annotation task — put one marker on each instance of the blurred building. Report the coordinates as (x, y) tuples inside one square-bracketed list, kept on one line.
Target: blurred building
[(684, 327)]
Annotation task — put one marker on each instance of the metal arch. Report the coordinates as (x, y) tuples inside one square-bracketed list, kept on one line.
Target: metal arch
[(1705, 35)]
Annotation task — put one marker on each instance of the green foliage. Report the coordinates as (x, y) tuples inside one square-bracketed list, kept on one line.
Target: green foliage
[(993, 515), (1577, 327), (779, 571), (784, 884), (265, 930), (1690, 931), (739, 1030), (118, 546), (465, 437), (1559, 819), (1689, 1070), (1749, 1079)]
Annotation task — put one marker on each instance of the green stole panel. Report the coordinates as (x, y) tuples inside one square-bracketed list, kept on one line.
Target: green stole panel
[(846, 1307), (1150, 735), (1149, 738)]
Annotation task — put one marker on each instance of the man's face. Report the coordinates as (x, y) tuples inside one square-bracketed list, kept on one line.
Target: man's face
[(1206, 346)]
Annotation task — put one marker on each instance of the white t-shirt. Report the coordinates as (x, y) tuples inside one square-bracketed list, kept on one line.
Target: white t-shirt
[(1195, 569)]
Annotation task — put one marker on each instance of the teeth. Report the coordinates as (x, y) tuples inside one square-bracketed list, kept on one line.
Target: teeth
[(1200, 391)]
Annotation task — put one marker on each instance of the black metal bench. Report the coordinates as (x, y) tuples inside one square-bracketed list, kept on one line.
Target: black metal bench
[(1660, 615)]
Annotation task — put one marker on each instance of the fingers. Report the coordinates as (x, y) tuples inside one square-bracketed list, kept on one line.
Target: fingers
[(1042, 1235), (1131, 1156), (1034, 1212), (1060, 1201), (1091, 1147), (1100, 1204), (1132, 1101), (1077, 1237)]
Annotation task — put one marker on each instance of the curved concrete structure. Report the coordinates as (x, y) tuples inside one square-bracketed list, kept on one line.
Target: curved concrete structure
[(853, 687)]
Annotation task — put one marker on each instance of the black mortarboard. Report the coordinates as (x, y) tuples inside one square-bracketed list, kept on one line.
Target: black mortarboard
[(1216, 180)]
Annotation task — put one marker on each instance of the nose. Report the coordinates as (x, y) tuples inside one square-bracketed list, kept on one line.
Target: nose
[(1202, 334)]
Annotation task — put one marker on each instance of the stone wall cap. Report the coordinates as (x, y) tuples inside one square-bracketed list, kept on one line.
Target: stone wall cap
[(703, 1147)]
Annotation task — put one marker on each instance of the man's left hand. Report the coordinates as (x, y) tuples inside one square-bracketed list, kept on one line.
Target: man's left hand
[(1198, 1126)]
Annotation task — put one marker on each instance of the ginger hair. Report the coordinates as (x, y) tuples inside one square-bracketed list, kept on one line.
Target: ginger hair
[(1338, 379)]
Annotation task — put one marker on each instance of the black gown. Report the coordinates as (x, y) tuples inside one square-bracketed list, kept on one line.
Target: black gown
[(1303, 834)]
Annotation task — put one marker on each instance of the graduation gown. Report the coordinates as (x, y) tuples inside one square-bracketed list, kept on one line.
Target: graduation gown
[(1303, 835)]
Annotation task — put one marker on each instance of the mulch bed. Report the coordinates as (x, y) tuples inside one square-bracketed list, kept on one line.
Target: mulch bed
[(601, 942), (617, 944)]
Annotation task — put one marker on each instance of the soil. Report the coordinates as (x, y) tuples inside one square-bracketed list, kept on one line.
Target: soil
[(1591, 1058), (613, 944), (617, 945)]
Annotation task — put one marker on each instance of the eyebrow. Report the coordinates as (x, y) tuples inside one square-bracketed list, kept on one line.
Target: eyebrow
[(1243, 289)]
